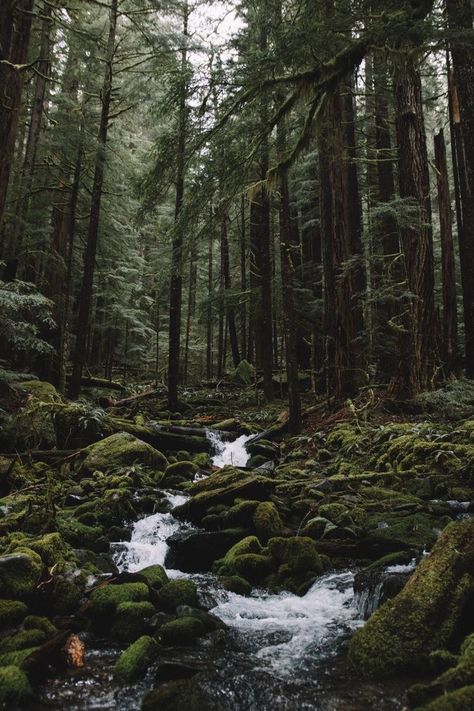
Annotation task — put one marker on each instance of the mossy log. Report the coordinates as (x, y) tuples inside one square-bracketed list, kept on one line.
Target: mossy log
[(426, 615)]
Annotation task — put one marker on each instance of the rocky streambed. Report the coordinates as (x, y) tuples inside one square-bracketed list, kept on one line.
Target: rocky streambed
[(220, 578)]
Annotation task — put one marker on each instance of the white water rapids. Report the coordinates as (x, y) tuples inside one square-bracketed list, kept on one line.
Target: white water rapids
[(233, 453), (284, 629)]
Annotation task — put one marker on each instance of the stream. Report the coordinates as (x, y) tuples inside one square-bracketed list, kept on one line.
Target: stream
[(281, 651)]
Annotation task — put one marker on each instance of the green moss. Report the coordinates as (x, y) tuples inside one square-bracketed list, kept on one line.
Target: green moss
[(183, 470), (236, 584), (267, 521), (316, 527), (17, 658), (251, 544), (23, 640), (177, 592), (244, 373), (33, 622), (51, 548), (183, 631), (253, 567), (77, 534), (298, 553), (65, 597), (333, 512), (423, 617), (105, 600), (202, 460), (20, 573), (12, 613), (241, 514), (134, 662), (15, 688), (155, 575), (42, 391), (131, 620), (122, 449), (459, 700)]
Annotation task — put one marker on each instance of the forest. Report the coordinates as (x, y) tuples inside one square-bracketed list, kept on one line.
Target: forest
[(237, 355)]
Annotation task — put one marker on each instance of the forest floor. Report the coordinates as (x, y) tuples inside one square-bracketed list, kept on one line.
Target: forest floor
[(375, 487)]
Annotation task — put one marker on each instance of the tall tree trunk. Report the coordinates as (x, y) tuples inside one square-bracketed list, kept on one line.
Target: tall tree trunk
[(418, 340), (43, 67), (341, 253), (225, 266), (176, 282), (287, 246), (390, 274), (460, 18), (210, 285), (243, 279), (85, 297), (15, 29), (450, 348), (190, 310)]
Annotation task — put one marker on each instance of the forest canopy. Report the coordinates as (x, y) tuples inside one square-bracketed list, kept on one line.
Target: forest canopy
[(188, 185)]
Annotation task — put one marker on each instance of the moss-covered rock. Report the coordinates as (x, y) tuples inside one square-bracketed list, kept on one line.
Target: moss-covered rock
[(65, 596), (80, 535), (459, 700), (425, 615), (41, 390), (35, 622), (177, 592), (12, 612), (236, 584), (22, 640), (244, 373), (241, 514), (20, 573), (52, 548), (183, 470), (135, 660), (105, 600), (299, 554), (253, 567), (131, 620), (155, 575), (119, 450), (267, 521), (183, 631), (15, 688)]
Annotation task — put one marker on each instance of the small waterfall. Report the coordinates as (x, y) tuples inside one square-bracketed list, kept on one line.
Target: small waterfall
[(148, 545), (374, 587), (284, 629), (225, 452)]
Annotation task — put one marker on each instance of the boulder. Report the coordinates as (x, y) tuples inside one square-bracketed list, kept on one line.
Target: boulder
[(131, 620), (182, 631), (180, 694), (177, 592), (20, 573), (122, 449), (196, 551), (426, 615), (15, 688), (133, 663), (267, 521), (12, 612)]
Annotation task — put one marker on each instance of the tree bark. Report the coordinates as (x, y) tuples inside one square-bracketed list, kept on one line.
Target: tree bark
[(225, 266), (85, 297), (460, 19), (15, 29), (176, 282), (450, 348), (418, 359)]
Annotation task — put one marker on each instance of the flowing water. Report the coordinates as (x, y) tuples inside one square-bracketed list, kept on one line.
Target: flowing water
[(281, 652), (233, 452)]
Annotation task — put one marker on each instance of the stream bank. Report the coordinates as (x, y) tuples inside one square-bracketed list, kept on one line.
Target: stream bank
[(271, 545)]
